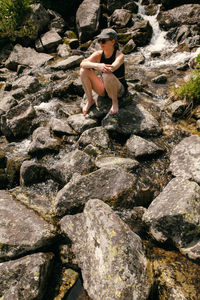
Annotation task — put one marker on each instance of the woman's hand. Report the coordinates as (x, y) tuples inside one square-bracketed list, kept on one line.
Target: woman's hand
[(105, 68)]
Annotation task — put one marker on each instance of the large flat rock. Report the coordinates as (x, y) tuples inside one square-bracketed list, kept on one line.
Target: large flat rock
[(110, 255), (21, 229)]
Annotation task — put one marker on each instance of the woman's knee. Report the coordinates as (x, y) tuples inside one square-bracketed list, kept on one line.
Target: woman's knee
[(84, 72)]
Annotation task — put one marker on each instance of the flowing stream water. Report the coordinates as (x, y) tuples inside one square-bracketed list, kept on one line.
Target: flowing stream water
[(160, 43)]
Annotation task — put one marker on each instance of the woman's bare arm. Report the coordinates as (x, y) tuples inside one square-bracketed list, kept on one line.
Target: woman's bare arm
[(119, 60), (92, 62)]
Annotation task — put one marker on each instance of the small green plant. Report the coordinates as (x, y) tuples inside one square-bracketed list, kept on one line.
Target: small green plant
[(190, 91), (13, 19)]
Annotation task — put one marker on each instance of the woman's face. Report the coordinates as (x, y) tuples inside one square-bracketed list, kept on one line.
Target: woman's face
[(106, 43)]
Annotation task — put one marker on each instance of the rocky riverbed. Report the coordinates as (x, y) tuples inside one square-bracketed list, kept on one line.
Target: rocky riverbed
[(100, 207)]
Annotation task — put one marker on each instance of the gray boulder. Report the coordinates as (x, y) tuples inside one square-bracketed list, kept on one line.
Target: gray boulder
[(32, 172), (185, 159), (121, 17), (17, 121), (80, 123), (141, 32), (96, 136), (60, 126), (73, 162), (141, 148), (21, 229), (39, 16), (28, 83), (109, 254), (177, 108), (26, 277), (174, 216), (160, 79), (68, 63), (134, 119), (129, 47), (185, 14), (63, 88), (27, 57), (42, 142), (7, 102), (57, 23), (63, 50), (113, 186), (38, 197), (48, 41), (87, 19)]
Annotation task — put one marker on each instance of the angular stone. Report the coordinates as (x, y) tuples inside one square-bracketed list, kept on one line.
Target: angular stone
[(160, 79), (63, 88), (80, 123), (48, 41), (18, 119), (110, 255), (57, 23), (26, 56), (126, 164), (177, 108), (68, 63), (32, 172), (87, 19), (73, 162), (129, 47), (113, 186), (121, 17), (134, 119), (142, 148), (60, 126), (39, 16), (174, 215), (30, 84), (185, 159), (141, 32), (63, 50), (184, 14), (38, 197), (7, 102), (26, 277), (96, 136), (21, 229), (42, 142)]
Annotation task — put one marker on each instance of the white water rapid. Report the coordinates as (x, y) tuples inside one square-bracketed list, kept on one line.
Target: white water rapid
[(159, 43)]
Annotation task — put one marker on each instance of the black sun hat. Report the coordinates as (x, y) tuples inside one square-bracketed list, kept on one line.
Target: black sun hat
[(108, 33)]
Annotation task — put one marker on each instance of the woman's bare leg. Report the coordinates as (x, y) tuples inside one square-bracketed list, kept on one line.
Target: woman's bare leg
[(112, 86), (90, 81)]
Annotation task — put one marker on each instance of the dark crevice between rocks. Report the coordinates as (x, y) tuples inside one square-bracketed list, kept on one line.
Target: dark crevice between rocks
[(77, 292), (154, 293)]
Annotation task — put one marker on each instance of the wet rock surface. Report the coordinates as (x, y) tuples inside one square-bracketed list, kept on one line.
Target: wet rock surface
[(142, 163)]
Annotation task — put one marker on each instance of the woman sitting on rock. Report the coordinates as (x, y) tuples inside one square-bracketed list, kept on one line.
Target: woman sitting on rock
[(110, 62)]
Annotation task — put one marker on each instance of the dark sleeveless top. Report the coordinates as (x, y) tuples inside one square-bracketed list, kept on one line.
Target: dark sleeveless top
[(120, 72)]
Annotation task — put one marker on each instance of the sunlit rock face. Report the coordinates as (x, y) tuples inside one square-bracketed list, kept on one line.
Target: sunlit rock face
[(110, 255)]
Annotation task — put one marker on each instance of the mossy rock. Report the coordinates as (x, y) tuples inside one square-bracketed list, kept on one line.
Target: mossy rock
[(3, 159), (3, 179), (123, 38), (85, 46), (13, 171)]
